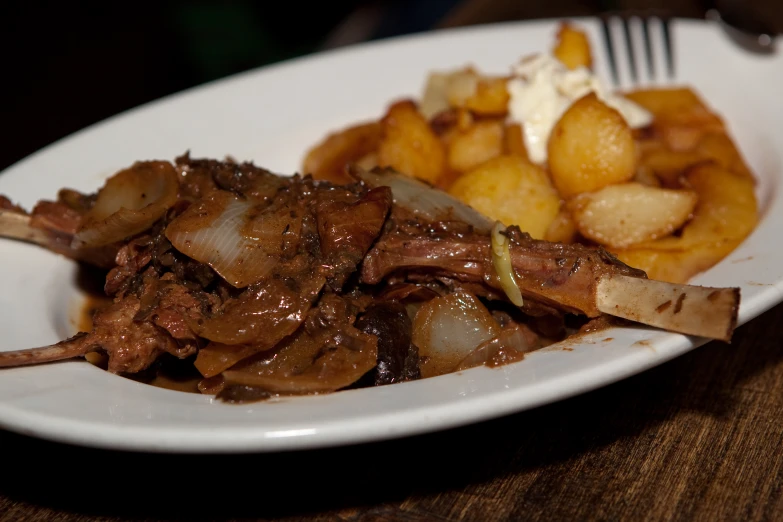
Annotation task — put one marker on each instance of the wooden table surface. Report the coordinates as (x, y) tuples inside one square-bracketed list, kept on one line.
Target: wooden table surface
[(698, 438)]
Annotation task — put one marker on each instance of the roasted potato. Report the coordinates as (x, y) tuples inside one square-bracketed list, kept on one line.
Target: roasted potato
[(490, 98), (675, 266), (479, 143), (562, 229), (646, 176), (572, 47), (719, 147), (465, 89), (328, 160), (726, 213), (622, 215), (680, 117), (590, 147), (727, 206), (368, 161), (512, 190), (409, 145), (668, 165), (514, 141)]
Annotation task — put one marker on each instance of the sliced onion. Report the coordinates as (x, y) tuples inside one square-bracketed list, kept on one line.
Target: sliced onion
[(447, 329), (509, 346), (425, 201), (212, 232), (129, 203), (501, 261)]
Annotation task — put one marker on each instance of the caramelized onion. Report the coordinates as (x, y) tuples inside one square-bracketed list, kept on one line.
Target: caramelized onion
[(325, 355), (425, 201), (447, 329), (510, 345), (129, 203), (215, 231), (501, 261)]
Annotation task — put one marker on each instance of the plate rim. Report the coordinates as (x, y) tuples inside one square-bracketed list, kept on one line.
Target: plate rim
[(72, 431)]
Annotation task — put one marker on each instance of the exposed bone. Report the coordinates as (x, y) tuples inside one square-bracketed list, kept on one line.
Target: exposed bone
[(14, 225), (687, 309), (18, 226), (76, 346)]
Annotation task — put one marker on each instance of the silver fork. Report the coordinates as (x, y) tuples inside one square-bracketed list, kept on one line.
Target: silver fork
[(645, 18)]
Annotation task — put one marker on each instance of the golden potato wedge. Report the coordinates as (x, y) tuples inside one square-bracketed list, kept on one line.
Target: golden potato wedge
[(622, 215), (465, 89), (449, 124), (328, 159), (646, 176), (490, 99), (511, 190), (590, 147), (676, 266), (727, 206), (669, 165), (573, 47), (562, 229), (514, 141), (479, 143), (726, 213), (719, 146), (409, 145), (668, 102), (368, 161), (681, 118)]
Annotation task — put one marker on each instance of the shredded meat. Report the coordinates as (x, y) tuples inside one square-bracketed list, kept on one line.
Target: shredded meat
[(338, 253)]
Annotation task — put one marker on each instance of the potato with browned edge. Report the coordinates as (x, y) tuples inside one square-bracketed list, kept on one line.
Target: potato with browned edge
[(514, 141), (572, 47), (628, 213), (562, 229), (328, 160), (681, 118), (409, 145), (511, 190), (490, 98), (590, 147), (480, 142), (726, 213)]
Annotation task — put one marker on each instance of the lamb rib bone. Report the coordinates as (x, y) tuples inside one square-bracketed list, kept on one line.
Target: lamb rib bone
[(687, 309)]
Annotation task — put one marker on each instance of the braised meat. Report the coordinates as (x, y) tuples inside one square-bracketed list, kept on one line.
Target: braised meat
[(557, 276), (279, 285)]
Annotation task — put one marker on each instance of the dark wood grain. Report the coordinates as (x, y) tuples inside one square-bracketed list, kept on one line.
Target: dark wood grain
[(698, 438)]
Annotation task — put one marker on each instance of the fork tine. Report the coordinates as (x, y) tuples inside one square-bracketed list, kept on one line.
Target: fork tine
[(648, 48), (667, 43), (610, 50), (630, 49)]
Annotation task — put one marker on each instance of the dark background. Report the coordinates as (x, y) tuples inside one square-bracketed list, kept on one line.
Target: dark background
[(67, 65)]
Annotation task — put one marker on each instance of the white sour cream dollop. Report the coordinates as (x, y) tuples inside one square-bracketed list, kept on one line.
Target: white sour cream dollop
[(542, 89)]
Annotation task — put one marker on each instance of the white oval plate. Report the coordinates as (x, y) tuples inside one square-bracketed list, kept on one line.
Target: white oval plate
[(270, 116)]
